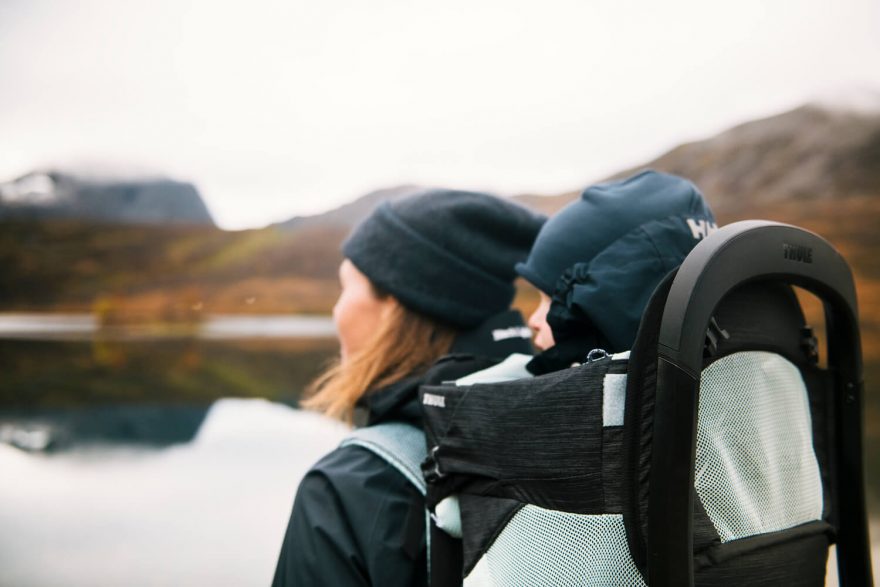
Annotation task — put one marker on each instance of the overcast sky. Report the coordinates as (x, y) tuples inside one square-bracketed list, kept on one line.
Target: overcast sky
[(280, 108)]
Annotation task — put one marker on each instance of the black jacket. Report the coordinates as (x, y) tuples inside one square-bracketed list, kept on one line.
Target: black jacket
[(356, 520)]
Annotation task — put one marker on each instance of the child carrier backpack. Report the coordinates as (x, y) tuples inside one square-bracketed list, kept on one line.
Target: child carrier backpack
[(717, 452)]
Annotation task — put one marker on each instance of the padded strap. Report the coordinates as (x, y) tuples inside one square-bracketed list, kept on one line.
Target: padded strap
[(401, 445)]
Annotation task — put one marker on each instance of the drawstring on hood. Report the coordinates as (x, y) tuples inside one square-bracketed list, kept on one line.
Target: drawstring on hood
[(602, 256)]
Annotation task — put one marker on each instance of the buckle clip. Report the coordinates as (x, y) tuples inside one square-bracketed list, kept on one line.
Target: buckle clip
[(431, 468)]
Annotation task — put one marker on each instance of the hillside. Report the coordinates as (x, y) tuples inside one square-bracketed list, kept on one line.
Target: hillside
[(349, 214), (163, 270), (812, 154), (815, 166)]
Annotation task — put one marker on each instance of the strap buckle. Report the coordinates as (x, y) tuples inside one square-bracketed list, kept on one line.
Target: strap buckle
[(431, 468)]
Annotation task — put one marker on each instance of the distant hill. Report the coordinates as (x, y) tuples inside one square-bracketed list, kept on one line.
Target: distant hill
[(816, 167), (155, 271), (814, 153), (53, 194), (350, 214)]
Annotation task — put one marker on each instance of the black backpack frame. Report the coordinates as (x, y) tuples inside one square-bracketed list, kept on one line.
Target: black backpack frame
[(657, 447), (737, 254)]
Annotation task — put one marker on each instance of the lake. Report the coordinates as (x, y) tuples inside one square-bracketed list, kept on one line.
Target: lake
[(211, 511), (136, 457)]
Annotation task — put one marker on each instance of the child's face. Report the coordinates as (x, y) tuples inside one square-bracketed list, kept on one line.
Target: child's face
[(538, 323)]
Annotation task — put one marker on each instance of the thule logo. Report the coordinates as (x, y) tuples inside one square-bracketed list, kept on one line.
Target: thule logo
[(512, 332), (797, 253), (701, 228), (431, 399)]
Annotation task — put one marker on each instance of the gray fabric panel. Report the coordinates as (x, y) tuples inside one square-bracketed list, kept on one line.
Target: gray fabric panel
[(401, 445)]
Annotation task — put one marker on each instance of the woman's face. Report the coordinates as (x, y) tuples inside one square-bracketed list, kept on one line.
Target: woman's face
[(538, 323), (358, 311)]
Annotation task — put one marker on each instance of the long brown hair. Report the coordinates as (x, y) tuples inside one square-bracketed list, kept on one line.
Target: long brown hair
[(407, 343)]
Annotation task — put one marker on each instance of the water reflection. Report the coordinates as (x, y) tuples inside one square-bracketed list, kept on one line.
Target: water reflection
[(66, 429), (210, 512), (125, 461), (180, 371)]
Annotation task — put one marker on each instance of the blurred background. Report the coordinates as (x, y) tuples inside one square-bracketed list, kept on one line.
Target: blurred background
[(176, 177)]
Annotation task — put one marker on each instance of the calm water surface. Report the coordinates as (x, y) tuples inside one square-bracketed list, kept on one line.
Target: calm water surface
[(132, 457), (211, 511), (135, 458)]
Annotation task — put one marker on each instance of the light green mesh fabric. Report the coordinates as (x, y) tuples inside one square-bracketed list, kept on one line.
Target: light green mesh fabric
[(756, 471), (544, 548)]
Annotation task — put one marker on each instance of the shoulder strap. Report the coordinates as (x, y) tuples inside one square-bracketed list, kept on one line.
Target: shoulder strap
[(401, 445)]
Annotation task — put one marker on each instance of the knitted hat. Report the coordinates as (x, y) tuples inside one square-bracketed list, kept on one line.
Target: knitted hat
[(449, 255), (606, 212), (601, 257)]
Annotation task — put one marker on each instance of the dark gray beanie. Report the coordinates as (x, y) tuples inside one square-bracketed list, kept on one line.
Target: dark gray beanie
[(449, 255)]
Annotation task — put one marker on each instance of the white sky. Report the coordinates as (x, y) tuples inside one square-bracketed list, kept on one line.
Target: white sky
[(280, 108)]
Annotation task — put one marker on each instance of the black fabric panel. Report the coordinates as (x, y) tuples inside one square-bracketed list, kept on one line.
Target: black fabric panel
[(793, 558), (767, 316), (618, 367), (446, 370), (755, 316), (612, 454), (612, 469), (534, 440), (760, 316), (446, 559), (638, 423), (705, 534), (820, 388), (482, 519)]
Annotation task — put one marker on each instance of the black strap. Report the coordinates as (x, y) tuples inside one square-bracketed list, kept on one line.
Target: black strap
[(447, 558)]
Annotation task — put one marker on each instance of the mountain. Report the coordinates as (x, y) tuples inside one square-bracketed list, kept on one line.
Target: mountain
[(817, 153), (350, 214), (57, 194), (817, 166), (811, 154)]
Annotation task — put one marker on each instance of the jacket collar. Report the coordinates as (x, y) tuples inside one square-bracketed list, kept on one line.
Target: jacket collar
[(476, 349), (396, 402)]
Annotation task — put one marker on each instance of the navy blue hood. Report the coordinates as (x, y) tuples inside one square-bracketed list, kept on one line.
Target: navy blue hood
[(606, 212), (601, 257)]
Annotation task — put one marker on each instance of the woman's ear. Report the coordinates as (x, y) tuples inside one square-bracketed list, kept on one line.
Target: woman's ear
[(389, 305)]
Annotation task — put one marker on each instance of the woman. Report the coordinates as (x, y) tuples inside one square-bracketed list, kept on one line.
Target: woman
[(423, 276)]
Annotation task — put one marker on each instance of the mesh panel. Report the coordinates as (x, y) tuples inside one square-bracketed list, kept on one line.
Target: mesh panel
[(545, 547), (756, 470)]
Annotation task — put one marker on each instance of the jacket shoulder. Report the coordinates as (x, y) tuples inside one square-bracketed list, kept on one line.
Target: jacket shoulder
[(356, 521)]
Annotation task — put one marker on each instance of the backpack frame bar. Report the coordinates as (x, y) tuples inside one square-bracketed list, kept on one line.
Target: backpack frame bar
[(734, 255)]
